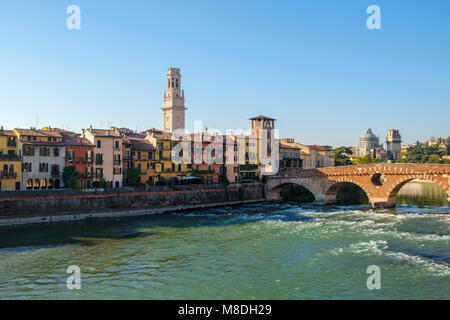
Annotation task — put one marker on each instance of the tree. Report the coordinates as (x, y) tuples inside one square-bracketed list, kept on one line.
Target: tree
[(422, 153), (340, 158), (70, 177), (367, 159), (133, 176), (434, 158)]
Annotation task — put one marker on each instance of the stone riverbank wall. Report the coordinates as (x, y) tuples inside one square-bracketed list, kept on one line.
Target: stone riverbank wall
[(59, 205)]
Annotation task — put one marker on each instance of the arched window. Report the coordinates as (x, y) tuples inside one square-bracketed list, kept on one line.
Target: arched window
[(5, 168), (43, 183)]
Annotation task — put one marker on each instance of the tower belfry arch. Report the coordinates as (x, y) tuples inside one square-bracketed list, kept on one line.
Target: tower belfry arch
[(173, 102)]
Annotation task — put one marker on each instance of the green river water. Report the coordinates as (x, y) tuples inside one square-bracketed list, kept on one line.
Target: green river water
[(257, 251)]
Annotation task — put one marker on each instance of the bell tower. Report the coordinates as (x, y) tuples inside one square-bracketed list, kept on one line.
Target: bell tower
[(173, 102)]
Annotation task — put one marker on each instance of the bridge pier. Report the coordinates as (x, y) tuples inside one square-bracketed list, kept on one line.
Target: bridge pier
[(378, 203)]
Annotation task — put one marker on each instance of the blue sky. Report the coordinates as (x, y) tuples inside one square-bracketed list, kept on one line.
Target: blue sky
[(313, 65)]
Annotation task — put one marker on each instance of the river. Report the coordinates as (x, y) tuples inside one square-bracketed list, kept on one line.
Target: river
[(255, 251)]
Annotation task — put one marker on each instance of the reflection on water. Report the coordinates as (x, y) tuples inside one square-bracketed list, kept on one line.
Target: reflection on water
[(422, 193), (254, 251)]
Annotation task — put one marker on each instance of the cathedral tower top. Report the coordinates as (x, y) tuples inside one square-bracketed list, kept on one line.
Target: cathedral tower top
[(173, 102)]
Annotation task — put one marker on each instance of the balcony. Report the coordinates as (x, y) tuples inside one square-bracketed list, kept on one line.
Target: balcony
[(98, 161), (89, 160), (9, 157), (55, 174), (8, 175), (117, 162), (11, 143)]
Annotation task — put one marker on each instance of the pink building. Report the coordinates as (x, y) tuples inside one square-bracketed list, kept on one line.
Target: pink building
[(107, 154)]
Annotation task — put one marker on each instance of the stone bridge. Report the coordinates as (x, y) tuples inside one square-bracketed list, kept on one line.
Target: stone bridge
[(380, 181)]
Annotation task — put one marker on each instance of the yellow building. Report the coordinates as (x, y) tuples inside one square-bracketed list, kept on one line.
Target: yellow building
[(10, 162), (164, 166), (290, 157), (143, 157), (312, 156)]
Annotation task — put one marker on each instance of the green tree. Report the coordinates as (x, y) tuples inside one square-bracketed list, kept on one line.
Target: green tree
[(421, 153), (434, 158), (340, 158), (133, 176), (70, 177)]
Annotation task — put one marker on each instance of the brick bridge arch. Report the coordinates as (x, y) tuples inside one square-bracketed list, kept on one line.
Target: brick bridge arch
[(381, 182)]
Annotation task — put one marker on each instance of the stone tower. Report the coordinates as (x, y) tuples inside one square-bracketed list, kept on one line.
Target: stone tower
[(173, 102), (394, 144)]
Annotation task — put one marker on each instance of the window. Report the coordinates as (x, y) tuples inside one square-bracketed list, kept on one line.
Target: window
[(99, 143), (117, 145), (69, 155), (54, 169), (56, 152), (139, 155), (27, 167), (150, 156), (44, 152), (43, 167)]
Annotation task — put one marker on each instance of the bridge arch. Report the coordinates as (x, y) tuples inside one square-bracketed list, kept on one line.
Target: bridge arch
[(401, 182), (332, 192), (276, 192)]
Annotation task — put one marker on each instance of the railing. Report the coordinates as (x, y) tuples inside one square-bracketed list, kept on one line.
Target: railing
[(117, 162), (98, 161), (8, 175), (55, 174), (11, 143), (9, 157)]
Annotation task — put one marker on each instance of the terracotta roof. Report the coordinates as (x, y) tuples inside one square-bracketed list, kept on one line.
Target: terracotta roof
[(288, 146), (38, 133), (135, 135), (104, 133), (7, 133), (261, 117), (77, 141), (318, 148), (141, 144)]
